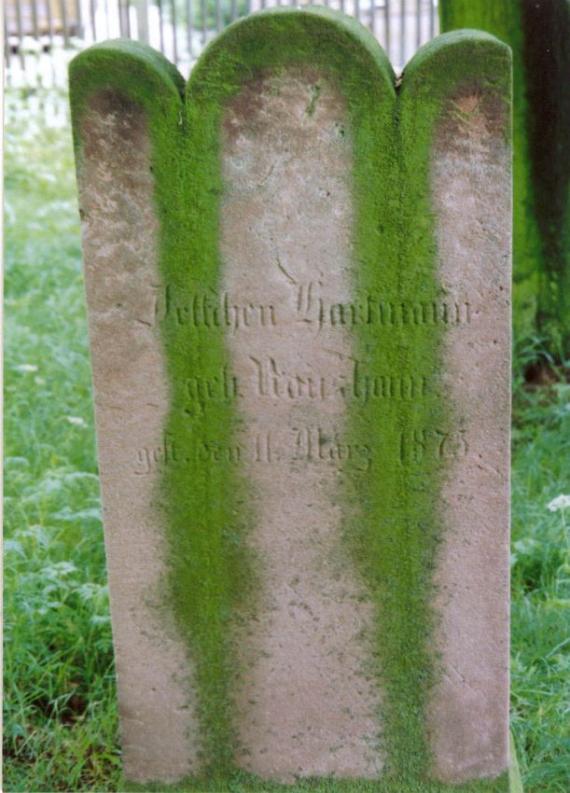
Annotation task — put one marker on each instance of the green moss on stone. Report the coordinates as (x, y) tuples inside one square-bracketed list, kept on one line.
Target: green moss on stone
[(392, 526), (396, 531), (202, 504)]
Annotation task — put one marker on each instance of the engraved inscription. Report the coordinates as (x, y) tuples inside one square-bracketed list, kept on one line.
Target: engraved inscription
[(417, 445), (222, 387), (306, 303), (150, 459), (207, 310), (314, 445), (271, 380), (375, 310), (308, 444)]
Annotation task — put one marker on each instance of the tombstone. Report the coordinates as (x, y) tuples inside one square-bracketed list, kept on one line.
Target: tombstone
[(298, 285)]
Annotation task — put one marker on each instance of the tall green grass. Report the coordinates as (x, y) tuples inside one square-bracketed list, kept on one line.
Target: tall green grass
[(540, 569), (60, 730)]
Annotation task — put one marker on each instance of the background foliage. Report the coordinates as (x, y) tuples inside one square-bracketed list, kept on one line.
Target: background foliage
[(60, 729)]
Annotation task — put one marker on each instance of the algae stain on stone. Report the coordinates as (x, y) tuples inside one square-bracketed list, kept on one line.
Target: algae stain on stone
[(204, 496), (392, 532), (396, 532)]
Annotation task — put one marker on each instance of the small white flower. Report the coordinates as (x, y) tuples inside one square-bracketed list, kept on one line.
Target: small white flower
[(26, 367), (77, 421), (560, 502)]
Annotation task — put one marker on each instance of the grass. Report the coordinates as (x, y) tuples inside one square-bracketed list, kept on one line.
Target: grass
[(540, 568), (60, 729)]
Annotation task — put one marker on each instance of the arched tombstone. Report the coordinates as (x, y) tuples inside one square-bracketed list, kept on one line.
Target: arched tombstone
[(298, 283)]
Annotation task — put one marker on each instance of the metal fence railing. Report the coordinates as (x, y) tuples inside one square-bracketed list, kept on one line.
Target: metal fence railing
[(40, 35)]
